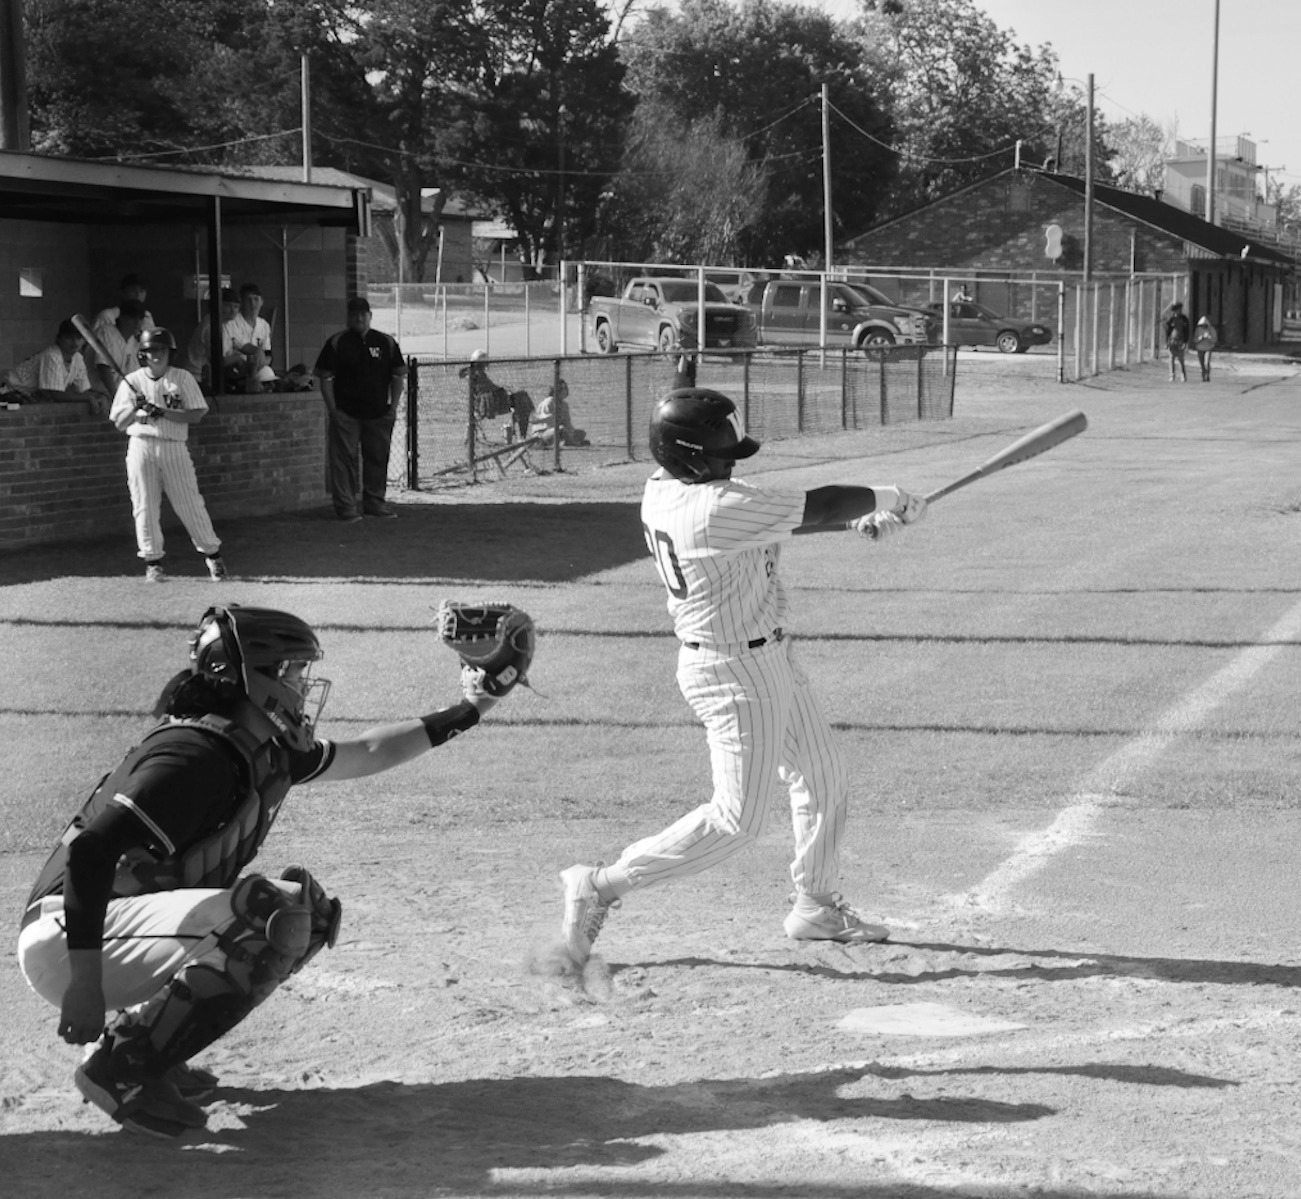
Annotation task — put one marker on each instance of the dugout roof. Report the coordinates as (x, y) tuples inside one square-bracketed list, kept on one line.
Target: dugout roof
[(37, 187)]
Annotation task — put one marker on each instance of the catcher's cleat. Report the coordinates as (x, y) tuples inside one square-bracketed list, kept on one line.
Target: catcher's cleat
[(585, 912), (152, 1106), (835, 921), (192, 1083)]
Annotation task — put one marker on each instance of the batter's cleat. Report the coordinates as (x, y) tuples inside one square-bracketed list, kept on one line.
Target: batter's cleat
[(216, 568), (152, 1106), (154, 572), (192, 1082), (585, 912), (835, 921)]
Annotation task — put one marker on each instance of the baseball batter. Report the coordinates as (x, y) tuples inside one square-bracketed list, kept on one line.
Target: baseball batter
[(716, 543), (142, 909), (155, 407)]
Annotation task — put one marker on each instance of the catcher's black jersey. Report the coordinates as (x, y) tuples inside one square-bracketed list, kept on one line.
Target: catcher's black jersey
[(175, 788)]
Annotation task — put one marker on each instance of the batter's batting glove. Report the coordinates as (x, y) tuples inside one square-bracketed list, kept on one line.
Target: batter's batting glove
[(911, 508), (878, 525)]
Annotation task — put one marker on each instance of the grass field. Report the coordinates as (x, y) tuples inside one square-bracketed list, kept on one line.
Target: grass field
[(1068, 699)]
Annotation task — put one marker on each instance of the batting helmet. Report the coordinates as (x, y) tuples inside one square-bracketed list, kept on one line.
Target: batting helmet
[(153, 339), (696, 434), (266, 656)]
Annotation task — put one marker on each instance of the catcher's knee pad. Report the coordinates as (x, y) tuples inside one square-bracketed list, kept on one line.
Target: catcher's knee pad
[(268, 937)]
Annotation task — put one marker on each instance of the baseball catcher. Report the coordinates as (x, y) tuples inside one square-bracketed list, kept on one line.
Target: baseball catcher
[(143, 928)]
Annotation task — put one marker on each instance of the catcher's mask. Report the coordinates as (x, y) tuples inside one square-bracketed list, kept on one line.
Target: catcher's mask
[(266, 656), (155, 339), (696, 435)]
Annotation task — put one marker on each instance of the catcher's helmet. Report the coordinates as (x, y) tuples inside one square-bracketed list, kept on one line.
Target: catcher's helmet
[(266, 656), (696, 434), (152, 339)]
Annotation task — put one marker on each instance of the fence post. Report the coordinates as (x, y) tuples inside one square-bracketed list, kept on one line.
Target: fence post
[(799, 391), (487, 315), (627, 402), (469, 425), (921, 405), (413, 425), (745, 388), (556, 381), (844, 387), (1061, 331)]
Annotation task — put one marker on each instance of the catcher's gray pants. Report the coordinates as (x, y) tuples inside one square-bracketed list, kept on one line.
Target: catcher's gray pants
[(350, 439)]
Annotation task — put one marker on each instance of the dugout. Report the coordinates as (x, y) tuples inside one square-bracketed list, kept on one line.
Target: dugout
[(70, 230)]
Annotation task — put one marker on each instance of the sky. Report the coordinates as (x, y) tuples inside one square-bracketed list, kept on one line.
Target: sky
[(1155, 58)]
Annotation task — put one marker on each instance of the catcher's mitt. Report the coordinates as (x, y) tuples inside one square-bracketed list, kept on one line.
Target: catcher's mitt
[(495, 642)]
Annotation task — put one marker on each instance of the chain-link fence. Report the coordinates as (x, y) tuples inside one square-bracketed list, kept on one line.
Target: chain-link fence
[(466, 421)]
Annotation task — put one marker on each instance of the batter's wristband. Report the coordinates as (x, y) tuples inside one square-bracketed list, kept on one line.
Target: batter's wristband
[(442, 726)]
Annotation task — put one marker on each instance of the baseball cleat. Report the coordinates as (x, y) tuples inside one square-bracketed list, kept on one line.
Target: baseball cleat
[(192, 1083), (152, 1106), (154, 572), (216, 568), (585, 912), (835, 921)]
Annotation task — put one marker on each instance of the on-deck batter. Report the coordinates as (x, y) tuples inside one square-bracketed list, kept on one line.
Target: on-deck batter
[(155, 407), (716, 542)]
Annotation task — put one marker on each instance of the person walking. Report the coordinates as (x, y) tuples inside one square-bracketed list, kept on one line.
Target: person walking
[(716, 543), (362, 376), (1176, 340), (1204, 341)]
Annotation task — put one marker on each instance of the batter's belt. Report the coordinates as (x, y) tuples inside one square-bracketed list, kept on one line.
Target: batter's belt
[(775, 635)]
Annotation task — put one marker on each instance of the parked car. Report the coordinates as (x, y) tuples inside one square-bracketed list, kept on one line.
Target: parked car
[(661, 313), (972, 324), (789, 312), (734, 284)]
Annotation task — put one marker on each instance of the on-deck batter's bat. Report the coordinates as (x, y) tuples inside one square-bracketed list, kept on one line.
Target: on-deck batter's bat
[(82, 325), (1045, 437)]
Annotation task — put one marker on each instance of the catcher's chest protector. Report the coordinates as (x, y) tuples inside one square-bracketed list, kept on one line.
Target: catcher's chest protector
[(216, 858)]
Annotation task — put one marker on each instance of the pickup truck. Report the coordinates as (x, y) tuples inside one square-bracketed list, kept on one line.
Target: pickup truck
[(789, 314), (662, 314)]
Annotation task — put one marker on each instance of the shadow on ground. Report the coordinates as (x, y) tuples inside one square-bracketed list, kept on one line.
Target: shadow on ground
[(508, 542)]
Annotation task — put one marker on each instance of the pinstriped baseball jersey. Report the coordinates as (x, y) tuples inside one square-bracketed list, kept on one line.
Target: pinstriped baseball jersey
[(175, 389), (716, 546)]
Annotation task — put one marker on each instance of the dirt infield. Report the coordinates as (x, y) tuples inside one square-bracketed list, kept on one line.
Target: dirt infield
[(1068, 702)]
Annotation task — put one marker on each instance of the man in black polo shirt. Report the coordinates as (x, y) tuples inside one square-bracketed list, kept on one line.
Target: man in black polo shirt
[(362, 374)]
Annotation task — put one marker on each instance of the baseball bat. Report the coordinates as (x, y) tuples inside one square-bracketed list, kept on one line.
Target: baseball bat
[(1034, 443), (82, 325)]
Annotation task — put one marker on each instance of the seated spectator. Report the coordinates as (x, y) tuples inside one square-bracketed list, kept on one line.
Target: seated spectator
[(132, 287), (543, 426), (250, 336), (58, 372), (491, 399), (121, 340), (197, 356)]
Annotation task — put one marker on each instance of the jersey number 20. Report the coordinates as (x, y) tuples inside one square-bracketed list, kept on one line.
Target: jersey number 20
[(660, 545)]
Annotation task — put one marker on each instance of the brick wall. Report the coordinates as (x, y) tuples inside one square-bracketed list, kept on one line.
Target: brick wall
[(63, 473), (999, 225)]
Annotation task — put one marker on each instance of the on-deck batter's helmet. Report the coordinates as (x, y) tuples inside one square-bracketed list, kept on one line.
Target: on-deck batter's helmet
[(696, 434), (266, 656), (152, 339)]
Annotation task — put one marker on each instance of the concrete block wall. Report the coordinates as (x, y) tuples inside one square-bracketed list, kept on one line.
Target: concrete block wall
[(63, 473)]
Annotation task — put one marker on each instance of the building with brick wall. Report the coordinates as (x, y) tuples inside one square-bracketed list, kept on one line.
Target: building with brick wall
[(1029, 225)]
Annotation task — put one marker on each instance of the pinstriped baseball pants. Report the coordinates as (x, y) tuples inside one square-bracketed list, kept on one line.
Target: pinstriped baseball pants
[(764, 725), (156, 467)]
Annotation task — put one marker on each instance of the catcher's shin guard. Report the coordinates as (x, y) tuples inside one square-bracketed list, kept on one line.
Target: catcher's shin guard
[(269, 936)]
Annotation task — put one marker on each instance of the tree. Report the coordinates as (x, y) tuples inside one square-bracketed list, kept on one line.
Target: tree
[(543, 119), (681, 196), (754, 72), (1139, 148), (964, 93)]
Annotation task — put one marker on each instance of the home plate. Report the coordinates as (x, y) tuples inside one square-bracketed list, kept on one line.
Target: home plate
[(922, 1020)]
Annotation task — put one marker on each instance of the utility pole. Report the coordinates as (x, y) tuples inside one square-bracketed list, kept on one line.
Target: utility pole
[(826, 180), (1088, 190), (306, 104), (1210, 158)]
